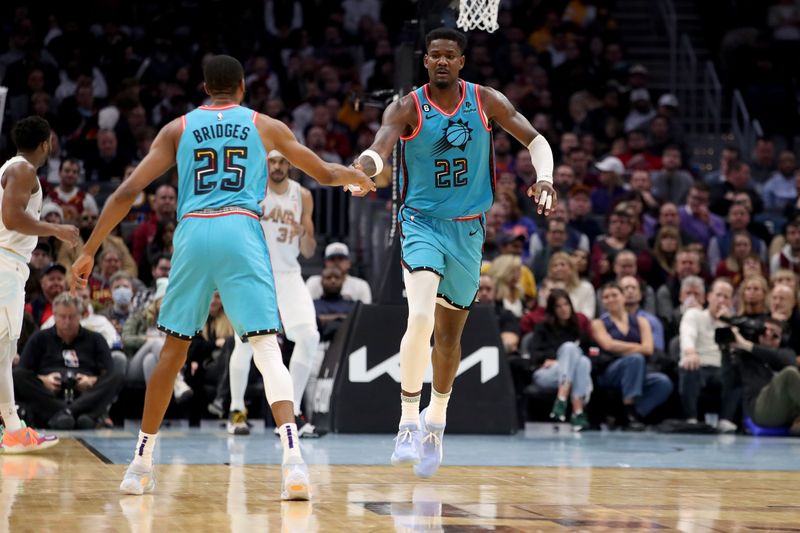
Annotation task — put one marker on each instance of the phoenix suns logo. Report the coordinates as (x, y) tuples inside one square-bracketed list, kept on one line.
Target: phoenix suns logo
[(456, 135)]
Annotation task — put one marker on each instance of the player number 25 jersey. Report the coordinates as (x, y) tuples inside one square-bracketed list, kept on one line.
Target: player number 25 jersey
[(448, 161)]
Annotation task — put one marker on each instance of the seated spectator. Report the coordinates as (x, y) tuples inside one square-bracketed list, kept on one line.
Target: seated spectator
[(720, 247), (580, 213), (770, 379), (625, 265), (757, 229), (209, 353), (637, 156), (563, 180), (763, 163), (159, 269), (642, 182), (697, 222), (505, 271), (41, 258), (701, 359), (331, 307), (506, 321), (632, 291), (561, 268), (727, 155), (94, 322), (536, 315), (610, 188), (736, 181), (665, 254), (687, 264), (732, 266), (641, 112), (752, 297), (575, 239), (668, 216), (671, 183), (53, 283), (337, 254), (580, 259), (779, 190), (692, 295), (619, 237), (557, 349), (624, 343), (789, 256), (164, 207), (66, 376), (517, 222), (100, 281), (160, 245), (122, 292), (67, 195), (512, 244), (556, 241), (106, 163), (783, 308)]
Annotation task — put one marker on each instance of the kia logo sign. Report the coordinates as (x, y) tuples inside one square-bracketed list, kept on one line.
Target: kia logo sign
[(488, 357)]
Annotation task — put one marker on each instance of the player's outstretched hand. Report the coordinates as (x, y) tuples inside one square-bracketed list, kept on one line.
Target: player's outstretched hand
[(544, 196), (361, 184), (67, 233), (81, 270)]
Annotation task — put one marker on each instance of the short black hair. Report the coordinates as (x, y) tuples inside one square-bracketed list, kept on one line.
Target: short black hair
[(448, 34), (30, 132), (222, 74), (73, 160)]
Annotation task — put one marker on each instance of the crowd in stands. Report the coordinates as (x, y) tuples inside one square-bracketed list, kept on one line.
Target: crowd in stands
[(616, 291)]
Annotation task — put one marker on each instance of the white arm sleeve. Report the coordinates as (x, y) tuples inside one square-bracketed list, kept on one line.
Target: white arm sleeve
[(542, 158)]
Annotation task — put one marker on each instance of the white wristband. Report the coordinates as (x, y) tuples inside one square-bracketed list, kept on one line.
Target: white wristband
[(542, 158), (376, 158)]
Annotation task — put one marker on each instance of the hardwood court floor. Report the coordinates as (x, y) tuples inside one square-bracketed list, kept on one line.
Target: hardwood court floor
[(69, 488)]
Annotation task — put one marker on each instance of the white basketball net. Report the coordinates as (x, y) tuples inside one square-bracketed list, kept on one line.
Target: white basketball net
[(478, 14)]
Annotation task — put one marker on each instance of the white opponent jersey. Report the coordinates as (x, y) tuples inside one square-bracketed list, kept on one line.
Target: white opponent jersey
[(16, 242), (281, 216)]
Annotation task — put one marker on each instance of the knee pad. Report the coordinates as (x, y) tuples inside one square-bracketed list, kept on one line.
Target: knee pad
[(269, 361)]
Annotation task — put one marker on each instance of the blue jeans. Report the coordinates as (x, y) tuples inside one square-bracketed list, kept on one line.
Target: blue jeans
[(572, 367), (629, 373)]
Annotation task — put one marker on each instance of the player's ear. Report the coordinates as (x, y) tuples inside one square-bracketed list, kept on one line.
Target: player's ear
[(205, 89), (425, 60)]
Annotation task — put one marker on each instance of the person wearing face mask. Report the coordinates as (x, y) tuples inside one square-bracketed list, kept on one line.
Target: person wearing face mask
[(122, 292)]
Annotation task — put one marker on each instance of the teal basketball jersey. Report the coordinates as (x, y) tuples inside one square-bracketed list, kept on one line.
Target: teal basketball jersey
[(221, 160), (448, 161)]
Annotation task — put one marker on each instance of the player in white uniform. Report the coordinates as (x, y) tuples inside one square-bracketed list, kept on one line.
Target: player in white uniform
[(20, 229), (289, 229)]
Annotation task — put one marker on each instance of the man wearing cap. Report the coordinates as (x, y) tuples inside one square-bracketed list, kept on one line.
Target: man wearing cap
[(354, 288), (53, 283), (611, 171), (289, 229), (641, 112), (580, 213)]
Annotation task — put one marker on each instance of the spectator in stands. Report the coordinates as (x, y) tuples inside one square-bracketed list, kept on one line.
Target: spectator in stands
[(610, 188), (209, 353), (701, 359), (642, 182), (637, 157), (687, 264), (641, 112), (665, 254), (53, 283), (337, 254), (161, 245), (159, 269), (625, 264), (783, 307), (557, 349), (732, 266), (579, 161), (728, 154), (331, 306), (624, 343), (697, 221), (671, 183), (516, 220), (562, 269), (692, 295), (757, 229), (109, 263), (770, 379), (721, 247), (511, 244), (789, 256), (164, 207), (752, 300), (763, 164), (505, 271), (495, 218), (506, 321), (106, 163), (620, 237), (66, 376), (41, 258), (556, 241), (779, 190), (122, 292), (632, 291), (563, 180), (737, 180), (580, 213), (72, 200)]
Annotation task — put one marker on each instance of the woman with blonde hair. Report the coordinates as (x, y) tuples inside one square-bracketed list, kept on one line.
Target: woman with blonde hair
[(562, 269), (752, 299), (505, 271)]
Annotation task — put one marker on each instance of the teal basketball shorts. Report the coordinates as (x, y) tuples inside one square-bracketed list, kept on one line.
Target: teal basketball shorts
[(453, 249), (224, 252)]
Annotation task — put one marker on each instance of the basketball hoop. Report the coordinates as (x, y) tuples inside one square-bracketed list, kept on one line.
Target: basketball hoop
[(478, 14)]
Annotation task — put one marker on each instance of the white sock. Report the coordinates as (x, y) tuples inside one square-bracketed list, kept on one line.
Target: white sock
[(410, 409), (291, 443), (8, 411), (437, 410), (8, 408), (238, 372), (306, 342), (143, 454)]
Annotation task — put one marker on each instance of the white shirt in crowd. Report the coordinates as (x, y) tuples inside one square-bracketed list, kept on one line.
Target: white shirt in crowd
[(697, 330)]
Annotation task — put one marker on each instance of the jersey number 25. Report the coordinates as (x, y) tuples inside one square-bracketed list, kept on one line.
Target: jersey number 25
[(232, 182)]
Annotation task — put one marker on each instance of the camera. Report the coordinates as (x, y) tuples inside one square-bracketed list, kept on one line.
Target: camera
[(750, 328), (68, 385)]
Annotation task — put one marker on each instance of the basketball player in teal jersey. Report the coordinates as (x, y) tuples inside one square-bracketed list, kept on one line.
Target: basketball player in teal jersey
[(221, 153), (447, 185)]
